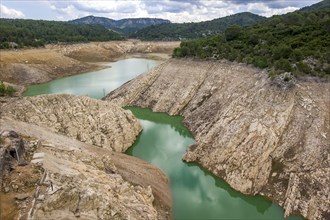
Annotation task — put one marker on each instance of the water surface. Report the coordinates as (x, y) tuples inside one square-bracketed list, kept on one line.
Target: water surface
[(95, 84), (197, 194)]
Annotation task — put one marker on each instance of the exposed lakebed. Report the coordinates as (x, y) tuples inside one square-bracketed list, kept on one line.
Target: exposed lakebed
[(196, 193)]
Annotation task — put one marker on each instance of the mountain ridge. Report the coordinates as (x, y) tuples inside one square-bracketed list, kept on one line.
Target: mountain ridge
[(182, 31), (125, 26)]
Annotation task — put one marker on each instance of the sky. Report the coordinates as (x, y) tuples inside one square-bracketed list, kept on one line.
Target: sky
[(177, 11)]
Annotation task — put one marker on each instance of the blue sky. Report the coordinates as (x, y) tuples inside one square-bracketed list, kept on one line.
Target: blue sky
[(174, 10)]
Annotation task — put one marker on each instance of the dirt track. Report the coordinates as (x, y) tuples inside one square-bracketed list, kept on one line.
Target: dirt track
[(32, 66)]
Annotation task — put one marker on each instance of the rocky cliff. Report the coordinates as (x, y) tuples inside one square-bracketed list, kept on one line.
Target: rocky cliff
[(46, 175), (263, 136), (88, 120)]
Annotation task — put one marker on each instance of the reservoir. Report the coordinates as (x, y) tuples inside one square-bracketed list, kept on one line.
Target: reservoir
[(196, 193), (98, 83)]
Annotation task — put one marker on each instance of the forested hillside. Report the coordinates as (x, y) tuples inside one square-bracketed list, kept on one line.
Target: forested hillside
[(195, 30), (297, 42), (123, 26), (19, 33)]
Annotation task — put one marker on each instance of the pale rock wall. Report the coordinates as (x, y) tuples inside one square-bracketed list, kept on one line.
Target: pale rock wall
[(91, 121), (260, 136), (81, 181)]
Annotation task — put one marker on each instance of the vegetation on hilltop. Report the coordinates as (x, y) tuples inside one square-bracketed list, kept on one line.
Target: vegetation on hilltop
[(19, 33), (297, 42), (124, 26), (195, 30), (6, 90)]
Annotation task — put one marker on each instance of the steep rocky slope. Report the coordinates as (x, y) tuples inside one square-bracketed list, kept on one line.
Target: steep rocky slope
[(56, 177), (262, 136), (46, 175), (88, 120)]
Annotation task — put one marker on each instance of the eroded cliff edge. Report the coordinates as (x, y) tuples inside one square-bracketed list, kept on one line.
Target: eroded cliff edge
[(46, 173), (261, 136)]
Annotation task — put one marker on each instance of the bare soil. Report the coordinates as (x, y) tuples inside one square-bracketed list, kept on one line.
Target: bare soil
[(33, 66)]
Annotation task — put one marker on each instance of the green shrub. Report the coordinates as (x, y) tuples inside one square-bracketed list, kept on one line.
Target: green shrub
[(283, 64), (260, 62), (303, 68), (6, 90), (272, 74), (297, 55), (282, 51), (232, 32)]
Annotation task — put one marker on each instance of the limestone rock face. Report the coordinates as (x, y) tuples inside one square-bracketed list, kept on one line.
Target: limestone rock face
[(88, 120), (261, 137), (67, 179)]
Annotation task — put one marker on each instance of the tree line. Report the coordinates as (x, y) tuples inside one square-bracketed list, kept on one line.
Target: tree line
[(184, 31), (296, 42), (17, 33)]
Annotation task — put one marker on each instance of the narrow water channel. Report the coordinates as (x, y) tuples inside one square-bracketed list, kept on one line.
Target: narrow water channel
[(95, 84), (196, 193)]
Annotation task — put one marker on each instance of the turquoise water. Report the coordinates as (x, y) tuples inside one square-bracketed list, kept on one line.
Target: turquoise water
[(196, 193), (95, 84)]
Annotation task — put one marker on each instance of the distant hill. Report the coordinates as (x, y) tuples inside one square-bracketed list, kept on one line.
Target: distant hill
[(124, 26), (296, 42), (34, 33), (185, 31)]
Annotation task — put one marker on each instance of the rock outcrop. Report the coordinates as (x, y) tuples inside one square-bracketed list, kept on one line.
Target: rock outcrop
[(88, 120), (66, 179), (260, 136), (47, 174)]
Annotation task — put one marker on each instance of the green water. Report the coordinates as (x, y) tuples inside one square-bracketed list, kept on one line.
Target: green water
[(196, 193), (95, 84)]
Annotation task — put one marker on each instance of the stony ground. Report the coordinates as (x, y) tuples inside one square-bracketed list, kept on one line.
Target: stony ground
[(263, 136), (85, 119), (46, 173)]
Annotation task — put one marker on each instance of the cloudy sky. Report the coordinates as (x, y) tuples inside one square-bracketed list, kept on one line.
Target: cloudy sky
[(175, 10)]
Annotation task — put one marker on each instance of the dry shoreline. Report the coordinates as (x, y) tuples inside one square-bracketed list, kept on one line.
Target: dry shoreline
[(25, 67)]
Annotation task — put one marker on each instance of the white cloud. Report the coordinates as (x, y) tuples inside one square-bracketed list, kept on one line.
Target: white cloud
[(264, 10), (175, 10), (6, 12)]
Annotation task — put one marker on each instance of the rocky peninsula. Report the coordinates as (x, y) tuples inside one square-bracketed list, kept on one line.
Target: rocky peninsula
[(263, 136), (60, 158)]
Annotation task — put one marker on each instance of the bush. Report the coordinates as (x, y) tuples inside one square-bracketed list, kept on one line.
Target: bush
[(6, 90), (260, 62), (232, 32), (282, 51), (283, 64), (272, 74), (303, 68), (297, 55)]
